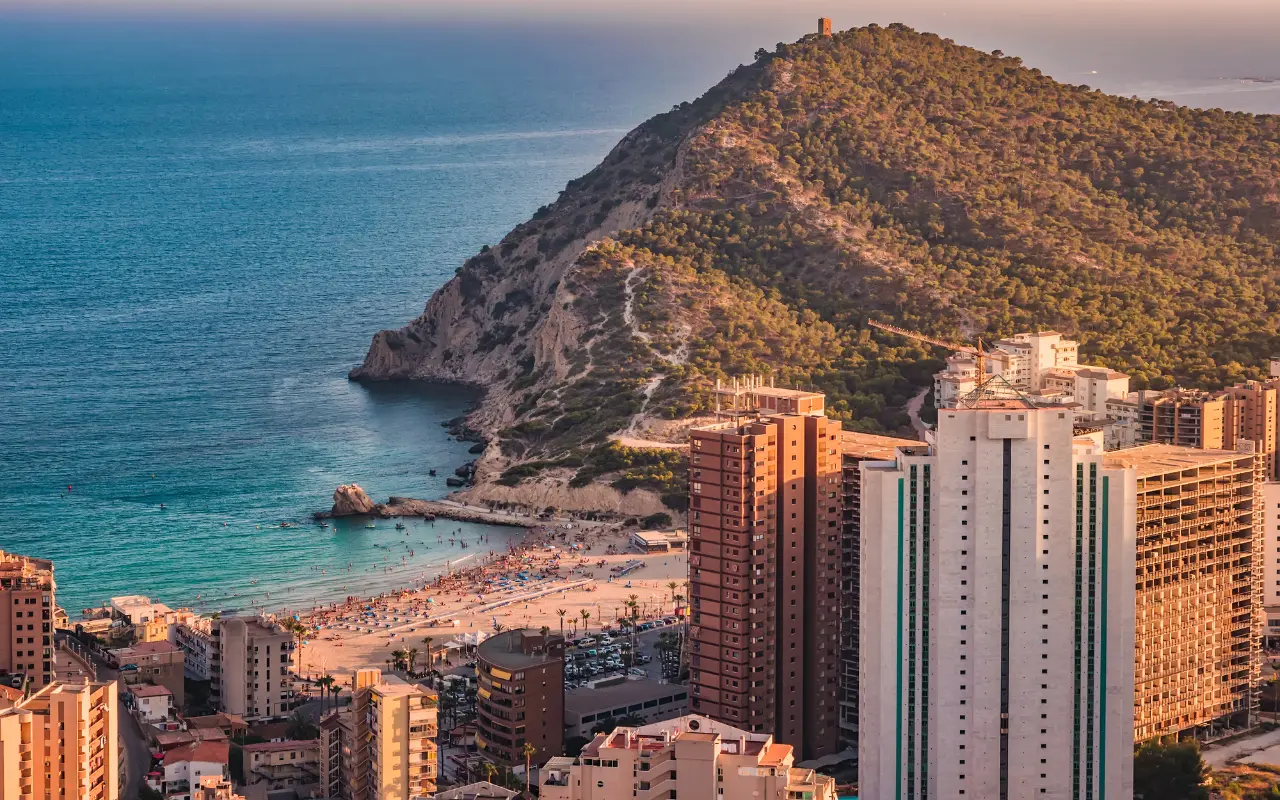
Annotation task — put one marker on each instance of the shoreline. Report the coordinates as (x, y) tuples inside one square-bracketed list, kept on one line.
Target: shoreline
[(560, 566)]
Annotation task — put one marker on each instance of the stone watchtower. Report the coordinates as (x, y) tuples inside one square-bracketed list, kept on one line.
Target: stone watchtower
[(824, 26)]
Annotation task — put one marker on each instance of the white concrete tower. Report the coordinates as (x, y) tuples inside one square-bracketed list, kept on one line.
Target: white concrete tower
[(997, 601)]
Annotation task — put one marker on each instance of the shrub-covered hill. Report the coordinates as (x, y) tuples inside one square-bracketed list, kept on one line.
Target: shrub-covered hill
[(879, 173)]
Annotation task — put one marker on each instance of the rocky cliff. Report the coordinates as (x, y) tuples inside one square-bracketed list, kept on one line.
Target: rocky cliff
[(880, 172)]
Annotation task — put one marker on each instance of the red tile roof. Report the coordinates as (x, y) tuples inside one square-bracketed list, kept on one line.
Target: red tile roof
[(208, 752)]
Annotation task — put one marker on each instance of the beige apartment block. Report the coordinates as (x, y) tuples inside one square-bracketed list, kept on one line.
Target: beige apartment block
[(157, 662), (61, 742), (384, 746), (26, 617), (1199, 606), (282, 765), (715, 760), (250, 669)]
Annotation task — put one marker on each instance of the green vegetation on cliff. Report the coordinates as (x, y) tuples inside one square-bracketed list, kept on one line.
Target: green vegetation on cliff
[(892, 174)]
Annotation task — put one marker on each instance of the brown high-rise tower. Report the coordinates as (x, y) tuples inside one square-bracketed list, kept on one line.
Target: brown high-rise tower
[(764, 534)]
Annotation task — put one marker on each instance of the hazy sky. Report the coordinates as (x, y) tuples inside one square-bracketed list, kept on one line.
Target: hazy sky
[(1166, 48)]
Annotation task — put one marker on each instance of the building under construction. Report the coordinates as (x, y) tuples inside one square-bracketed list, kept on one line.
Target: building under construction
[(1199, 604)]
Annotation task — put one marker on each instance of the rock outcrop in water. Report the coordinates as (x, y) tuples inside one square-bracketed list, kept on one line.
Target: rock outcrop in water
[(349, 499), (877, 173)]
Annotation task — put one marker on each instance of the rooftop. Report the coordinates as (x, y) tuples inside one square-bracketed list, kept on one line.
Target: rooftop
[(506, 650), (149, 690), (1157, 459), (588, 701), (869, 445), (209, 752), (147, 649), (277, 747), (481, 789)]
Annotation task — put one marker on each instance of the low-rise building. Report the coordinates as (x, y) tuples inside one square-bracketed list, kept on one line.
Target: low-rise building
[(715, 760), (161, 663), (659, 541), (184, 767), (250, 669), (269, 766), (212, 787), (72, 726), (153, 703), (650, 700)]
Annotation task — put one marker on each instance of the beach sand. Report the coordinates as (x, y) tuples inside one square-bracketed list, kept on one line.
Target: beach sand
[(363, 632)]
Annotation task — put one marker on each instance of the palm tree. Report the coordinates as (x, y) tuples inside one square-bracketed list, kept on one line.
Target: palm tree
[(631, 720), (490, 770), (326, 683), (334, 692), (498, 627), (300, 727), (673, 586), (398, 658), (427, 640), (545, 631), (528, 750), (560, 612), (586, 615), (411, 655)]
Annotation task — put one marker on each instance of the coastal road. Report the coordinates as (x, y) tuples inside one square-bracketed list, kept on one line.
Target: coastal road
[(133, 753)]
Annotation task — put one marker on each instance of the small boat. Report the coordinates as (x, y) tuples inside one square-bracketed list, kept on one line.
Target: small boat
[(324, 524), (399, 526), (431, 472), (370, 525)]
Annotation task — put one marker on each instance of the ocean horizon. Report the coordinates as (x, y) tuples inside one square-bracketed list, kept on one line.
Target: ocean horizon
[(204, 225)]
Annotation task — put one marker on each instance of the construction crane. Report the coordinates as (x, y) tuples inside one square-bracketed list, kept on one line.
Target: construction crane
[(979, 353)]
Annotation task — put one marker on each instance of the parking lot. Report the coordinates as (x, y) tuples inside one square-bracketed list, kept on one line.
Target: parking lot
[(607, 654)]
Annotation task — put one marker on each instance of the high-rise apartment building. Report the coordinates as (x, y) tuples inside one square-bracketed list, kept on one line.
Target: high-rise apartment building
[(715, 760), (1255, 417), (520, 696), (765, 539), (855, 448), (61, 742), (1270, 535), (997, 609), (249, 674), (384, 746), (26, 618), (1200, 604), (1187, 418)]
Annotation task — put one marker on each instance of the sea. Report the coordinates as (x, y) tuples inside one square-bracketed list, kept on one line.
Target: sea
[(203, 221)]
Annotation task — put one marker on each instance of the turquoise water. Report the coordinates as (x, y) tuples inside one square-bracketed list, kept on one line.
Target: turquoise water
[(201, 226)]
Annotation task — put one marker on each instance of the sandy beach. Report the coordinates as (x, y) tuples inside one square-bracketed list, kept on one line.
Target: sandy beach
[(570, 566)]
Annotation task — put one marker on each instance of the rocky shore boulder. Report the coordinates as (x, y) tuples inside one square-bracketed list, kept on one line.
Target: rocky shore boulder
[(350, 499)]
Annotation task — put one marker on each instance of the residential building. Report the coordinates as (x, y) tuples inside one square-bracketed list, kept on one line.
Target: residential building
[(61, 742), (211, 787), (153, 703), (159, 662), (855, 448), (185, 767), (196, 640), (520, 675), (250, 668), (269, 766), (652, 701), (1187, 418), (997, 612), (1255, 417), (27, 603), (1041, 365), (383, 747), (1270, 492), (764, 556), (1200, 604), (715, 760)]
